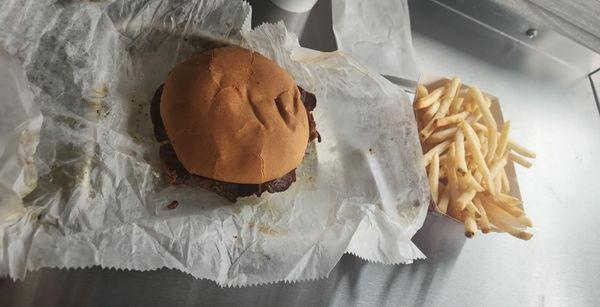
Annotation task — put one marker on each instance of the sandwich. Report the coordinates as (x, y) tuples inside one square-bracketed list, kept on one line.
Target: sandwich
[(232, 121)]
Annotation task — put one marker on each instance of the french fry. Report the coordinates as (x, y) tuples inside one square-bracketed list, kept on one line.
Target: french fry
[(443, 172), (508, 199), (472, 209), (461, 162), (495, 201), (452, 119), (421, 91), (429, 99), (430, 111), (484, 147), (463, 92), (469, 105), (497, 184), (450, 93), (442, 135), (484, 223), (512, 145), (502, 225), (481, 134), (498, 166), (472, 145), (488, 121), (518, 159), (503, 139), (470, 225), (434, 169), (480, 139), (478, 176), (491, 148), (444, 200), (507, 213), (507, 222), (473, 118), (452, 179), (488, 100), (470, 182), (455, 108), (505, 183), (523, 219), (479, 127), (514, 211), (463, 184), (523, 235), (438, 149), (465, 198), (443, 160), (506, 227), (430, 126)]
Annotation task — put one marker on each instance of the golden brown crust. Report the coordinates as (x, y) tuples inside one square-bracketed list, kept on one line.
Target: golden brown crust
[(235, 116)]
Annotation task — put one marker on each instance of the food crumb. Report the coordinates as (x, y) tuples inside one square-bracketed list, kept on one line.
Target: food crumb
[(174, 204)]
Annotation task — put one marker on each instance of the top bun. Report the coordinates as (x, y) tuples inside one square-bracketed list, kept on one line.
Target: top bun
[(235, 116)]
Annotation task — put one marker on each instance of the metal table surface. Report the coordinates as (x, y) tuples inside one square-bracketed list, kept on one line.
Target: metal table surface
[(550, 102)]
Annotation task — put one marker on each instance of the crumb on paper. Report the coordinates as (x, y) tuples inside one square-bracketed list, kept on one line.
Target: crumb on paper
[(82, 177), (99, 106), (96, 98), (173, 205)]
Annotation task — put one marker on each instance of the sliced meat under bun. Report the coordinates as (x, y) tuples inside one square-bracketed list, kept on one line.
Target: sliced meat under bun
[(233, 115)]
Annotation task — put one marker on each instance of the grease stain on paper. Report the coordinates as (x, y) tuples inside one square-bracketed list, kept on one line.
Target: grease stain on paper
[(268, 229)]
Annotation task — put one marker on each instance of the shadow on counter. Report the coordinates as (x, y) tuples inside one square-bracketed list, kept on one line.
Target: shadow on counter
[(313, 27), (352, 282), (440, 239)]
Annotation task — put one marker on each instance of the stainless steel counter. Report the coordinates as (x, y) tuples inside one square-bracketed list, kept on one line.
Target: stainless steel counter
[(550, 103)]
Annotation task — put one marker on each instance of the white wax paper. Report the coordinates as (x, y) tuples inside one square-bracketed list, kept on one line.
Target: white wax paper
[(377, 33), (101, 196), (20, 125)]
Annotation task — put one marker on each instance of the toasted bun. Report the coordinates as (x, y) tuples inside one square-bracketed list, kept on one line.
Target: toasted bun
[(234, 115)]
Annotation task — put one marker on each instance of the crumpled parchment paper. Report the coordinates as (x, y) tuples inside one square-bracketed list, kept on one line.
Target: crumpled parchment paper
[(377, 33), (19, 136), (101, 198)]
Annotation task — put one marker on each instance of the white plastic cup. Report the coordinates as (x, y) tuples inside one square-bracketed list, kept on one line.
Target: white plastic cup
[(295, 6)]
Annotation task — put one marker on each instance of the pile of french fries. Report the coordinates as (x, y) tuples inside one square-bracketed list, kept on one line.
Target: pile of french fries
[(465, 154)]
